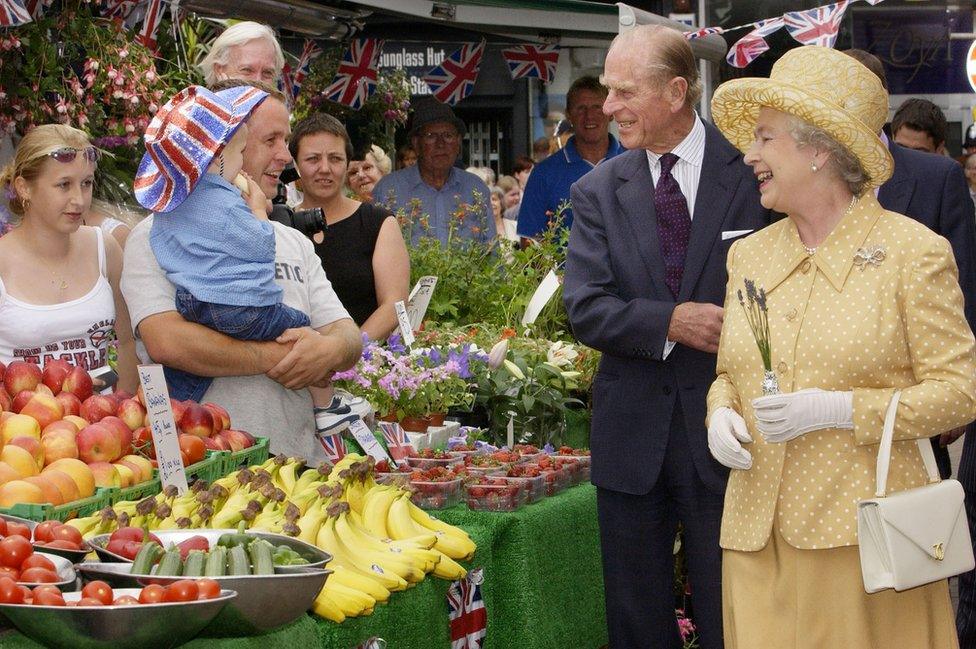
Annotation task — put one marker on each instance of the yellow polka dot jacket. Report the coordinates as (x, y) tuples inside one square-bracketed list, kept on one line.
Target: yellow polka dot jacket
[(877, 307)]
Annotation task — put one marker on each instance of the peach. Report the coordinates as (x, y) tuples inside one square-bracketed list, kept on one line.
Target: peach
[(122, 431), (216, 443), (4, 416), (80, 422), (98, 443), (58, 444), (20, 400), (20, 491), (19, 426), (143, 467), (105, 474), (196, 420), (127, 476), (62, 424), (32, 446), (132, 413), (54, 374), (97, 407), (220, 416), (78, 382), (45, 409), (78, 471), (70, 403), (5, 401), (237, 439), (20, 460), (51, 492), (20, 376), (64, 483), (43, 389), (8, 473)]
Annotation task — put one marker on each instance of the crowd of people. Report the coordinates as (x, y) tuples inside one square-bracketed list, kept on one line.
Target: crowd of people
[(858, 245)]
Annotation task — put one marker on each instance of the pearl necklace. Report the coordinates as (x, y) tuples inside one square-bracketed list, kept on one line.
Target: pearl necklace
[(811, 251)]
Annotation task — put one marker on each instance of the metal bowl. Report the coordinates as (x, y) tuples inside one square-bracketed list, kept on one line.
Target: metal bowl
[(264, 602), (65, 569), (316, 558), (74, 556), (160, 625)]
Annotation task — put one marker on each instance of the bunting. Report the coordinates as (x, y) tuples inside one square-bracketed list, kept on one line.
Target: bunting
[(818, 26), (150, 23), (537, 61), (454, 78), (309, 52), (356, 77), (14, 13), (747, 48)]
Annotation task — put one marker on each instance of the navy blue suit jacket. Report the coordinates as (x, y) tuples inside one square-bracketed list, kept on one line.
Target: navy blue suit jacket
[(618, 303)]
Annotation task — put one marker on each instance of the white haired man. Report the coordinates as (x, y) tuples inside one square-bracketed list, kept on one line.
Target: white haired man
[(246, 50)]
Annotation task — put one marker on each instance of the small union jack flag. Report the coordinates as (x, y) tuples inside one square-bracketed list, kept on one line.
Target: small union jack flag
[(466, 611), (309, 51), (150, 23), (537, 61), (453, 80), (818, 26), (334, 445), (14, 13), (120, 9), (746, 50), (704, 31), (37, 7), (356, 77), (285, 83), (396, 440)]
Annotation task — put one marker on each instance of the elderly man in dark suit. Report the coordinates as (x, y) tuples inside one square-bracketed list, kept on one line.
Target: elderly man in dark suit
[(645, 280)]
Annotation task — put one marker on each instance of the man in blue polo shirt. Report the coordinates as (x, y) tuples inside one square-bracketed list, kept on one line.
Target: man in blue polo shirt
[(440, 200), (551, 179)]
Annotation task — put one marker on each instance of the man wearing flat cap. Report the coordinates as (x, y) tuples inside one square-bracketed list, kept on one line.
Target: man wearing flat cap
[(434, 192)]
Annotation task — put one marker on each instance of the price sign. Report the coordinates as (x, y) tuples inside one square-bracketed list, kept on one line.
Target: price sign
[(541, 297), (406, 331), (162, 426), (419, 300), (367, 441)]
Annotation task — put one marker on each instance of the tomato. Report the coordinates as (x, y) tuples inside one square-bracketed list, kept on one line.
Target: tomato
[(45, 531), (39, 576), (185, 458), (18, 529), (3, 527), (126, 600), (128, 534), (10, 592), (28, 595), (47, 598), (98, 590), (152, 594), (67, 533), (63, 545), (13, 551), (38, 561), (7, 571), (91, 601), (184, 590), (209, 588), (194, 448)]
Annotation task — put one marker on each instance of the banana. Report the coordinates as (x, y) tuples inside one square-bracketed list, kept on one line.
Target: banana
[(352, 579), (448, 568), (343, 556), (452, 541), (360, 539), (86, 525), (325, 606), (376, 508), (352, 601)]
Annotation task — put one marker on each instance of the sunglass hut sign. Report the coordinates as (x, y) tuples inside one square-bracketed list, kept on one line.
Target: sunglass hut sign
[(416, 59)]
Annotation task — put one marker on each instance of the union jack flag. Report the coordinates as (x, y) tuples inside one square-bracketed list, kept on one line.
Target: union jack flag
[(466, 611), (120, 9), (309, 51), (154, 14), (396, 440), (36, 7), (750, 46), (285, 83), (334, 445), (14, 13), (356, 77), (818, 26), (704, 31), (453, 80), (532, 61)]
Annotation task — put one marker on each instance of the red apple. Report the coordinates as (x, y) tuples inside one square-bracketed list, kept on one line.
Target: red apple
[(44, 409), (43, 389), (220, 416), (142, 442), (70, 403), (96, 408), (20, 400), (123, 431), (132, 413), (5, 401), (105, 474), (54, 373), (62, 424), (98, 443), (197, 420), (216, 443), (78, 383), (20, 376), (237, 439)]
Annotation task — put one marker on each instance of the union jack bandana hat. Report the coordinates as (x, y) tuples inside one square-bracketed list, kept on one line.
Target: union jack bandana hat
[(184, 137)]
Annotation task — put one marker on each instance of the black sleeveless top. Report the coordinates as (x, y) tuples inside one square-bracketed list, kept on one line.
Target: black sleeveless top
[(346, 252)]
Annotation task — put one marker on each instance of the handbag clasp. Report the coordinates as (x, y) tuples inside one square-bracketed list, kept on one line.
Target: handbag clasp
[(939, 551)]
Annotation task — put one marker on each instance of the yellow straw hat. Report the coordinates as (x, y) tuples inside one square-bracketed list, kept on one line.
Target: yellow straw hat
[(821, 86)]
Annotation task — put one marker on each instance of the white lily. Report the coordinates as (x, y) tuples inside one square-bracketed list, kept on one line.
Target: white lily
[(513, 369), (497, 354), (561, 354)]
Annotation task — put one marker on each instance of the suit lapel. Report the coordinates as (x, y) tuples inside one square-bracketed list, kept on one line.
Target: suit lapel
[(636, 198), (896, 193), (715, 191)]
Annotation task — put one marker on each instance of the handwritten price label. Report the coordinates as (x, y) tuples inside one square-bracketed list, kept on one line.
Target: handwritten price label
[(403, 320), (362, 434), (162, 426), (419, 300)]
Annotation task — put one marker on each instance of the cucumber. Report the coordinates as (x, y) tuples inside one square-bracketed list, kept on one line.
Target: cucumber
[(194, 565), (170, 565), (146, 558), (216, 562), (261, 560), (237, 563)]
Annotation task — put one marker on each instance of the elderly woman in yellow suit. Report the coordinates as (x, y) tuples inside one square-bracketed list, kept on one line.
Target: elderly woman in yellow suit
[(861, 302)]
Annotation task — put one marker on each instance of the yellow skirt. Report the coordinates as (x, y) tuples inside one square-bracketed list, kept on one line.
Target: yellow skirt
[(784, 598)]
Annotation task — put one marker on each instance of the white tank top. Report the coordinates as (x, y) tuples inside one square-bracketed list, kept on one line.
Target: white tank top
[(109, 224), (77, 331)]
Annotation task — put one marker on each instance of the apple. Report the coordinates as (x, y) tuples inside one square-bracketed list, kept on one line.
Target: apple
[(77, 471), (61, 424), (143, 467), (64, 483), (220, 415), (45, 409), (51, 492), (122, 395), (105, 474), (59, 443), (33, 446), (96, 408), (126, 474), (20, 376), (8, 473), (123, 432), (19, 426), (197, 420), (77, 421), (20, 400), (237, 439), (5, 401), (77, 382), (132, 413), (178, 408), (54, 374), (69, 402), (20, 460), (19, 491), (5, 415), (216, 443), (98, 443)]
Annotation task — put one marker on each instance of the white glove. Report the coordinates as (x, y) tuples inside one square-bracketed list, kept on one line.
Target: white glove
[(782, 417), (726, 429)]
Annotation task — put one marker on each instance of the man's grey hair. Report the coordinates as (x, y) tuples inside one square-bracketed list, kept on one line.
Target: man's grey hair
[(238, 34)]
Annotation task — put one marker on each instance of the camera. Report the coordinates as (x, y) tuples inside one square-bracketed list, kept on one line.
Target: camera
[(308, 222)]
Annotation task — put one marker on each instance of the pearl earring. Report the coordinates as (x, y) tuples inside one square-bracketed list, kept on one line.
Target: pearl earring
[(813, 168)]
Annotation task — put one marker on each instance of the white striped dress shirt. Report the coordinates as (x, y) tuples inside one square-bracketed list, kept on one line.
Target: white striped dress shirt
[(687, 170)]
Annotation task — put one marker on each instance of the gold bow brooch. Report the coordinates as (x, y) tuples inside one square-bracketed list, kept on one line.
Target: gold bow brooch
[(868, 256)]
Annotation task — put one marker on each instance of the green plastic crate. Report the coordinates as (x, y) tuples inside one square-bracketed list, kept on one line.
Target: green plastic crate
[(75, 509), (252, 456), (136, 492), (208, 469)]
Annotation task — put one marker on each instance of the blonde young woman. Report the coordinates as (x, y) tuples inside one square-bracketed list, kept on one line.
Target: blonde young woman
[(59, 279)]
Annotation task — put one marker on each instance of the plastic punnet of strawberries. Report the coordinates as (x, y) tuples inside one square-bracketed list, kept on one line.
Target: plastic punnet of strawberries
[(431, 454), (483, 460), (505, 456), (495, 494), (569, 450), (433, 474), (526, 449)]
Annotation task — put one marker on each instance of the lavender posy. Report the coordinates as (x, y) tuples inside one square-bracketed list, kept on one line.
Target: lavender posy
[(757, 315)]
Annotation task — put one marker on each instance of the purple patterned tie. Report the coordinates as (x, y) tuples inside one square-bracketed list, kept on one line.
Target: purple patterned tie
[(673, 223)]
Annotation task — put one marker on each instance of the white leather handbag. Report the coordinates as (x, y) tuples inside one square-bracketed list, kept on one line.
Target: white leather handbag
[(912, 537)]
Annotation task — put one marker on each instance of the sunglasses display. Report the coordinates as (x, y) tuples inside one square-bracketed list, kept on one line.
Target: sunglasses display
[(68, 154)]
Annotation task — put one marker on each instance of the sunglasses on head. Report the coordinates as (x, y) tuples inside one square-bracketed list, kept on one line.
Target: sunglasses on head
[(68, 154)]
